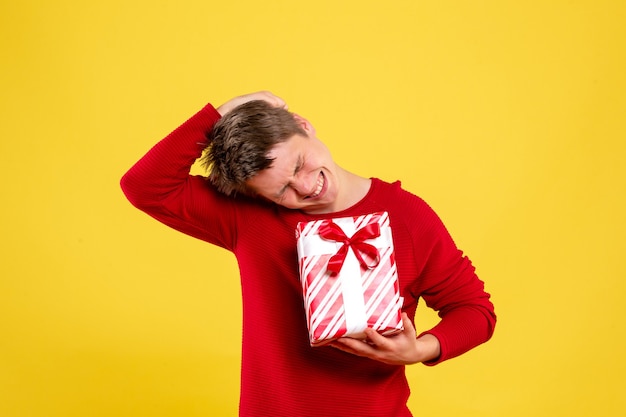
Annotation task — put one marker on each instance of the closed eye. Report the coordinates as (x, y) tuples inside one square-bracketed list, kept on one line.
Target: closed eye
[(281, 193), (299, 165)]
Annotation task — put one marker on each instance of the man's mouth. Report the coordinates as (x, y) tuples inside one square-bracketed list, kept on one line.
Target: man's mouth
[(321, 180)]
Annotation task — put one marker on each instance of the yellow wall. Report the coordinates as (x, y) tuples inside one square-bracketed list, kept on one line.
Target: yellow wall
[(507, 116)]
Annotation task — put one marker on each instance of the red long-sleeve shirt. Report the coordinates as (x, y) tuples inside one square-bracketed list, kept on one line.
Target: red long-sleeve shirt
[(282, 375)]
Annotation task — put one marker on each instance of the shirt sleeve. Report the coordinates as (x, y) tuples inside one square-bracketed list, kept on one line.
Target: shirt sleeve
[(449, 285), (160, 184)]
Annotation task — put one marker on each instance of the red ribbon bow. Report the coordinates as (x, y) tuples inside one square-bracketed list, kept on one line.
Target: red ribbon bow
[(331, 231)]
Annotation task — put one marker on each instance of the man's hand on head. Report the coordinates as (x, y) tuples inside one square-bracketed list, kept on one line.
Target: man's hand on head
[(260, 95)]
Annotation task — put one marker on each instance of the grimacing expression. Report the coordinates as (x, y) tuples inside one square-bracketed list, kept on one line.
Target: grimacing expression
[(302, 176)]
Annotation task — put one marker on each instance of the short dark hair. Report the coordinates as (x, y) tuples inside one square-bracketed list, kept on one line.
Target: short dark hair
[(239, 143)]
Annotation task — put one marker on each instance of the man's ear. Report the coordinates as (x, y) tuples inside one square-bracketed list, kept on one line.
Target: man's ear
[(304, 124)]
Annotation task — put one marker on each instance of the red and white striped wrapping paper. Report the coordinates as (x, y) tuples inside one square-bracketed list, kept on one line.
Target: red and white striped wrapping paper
[(365, 291)]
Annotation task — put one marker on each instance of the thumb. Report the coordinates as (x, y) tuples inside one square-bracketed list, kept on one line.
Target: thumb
[(408, 324)]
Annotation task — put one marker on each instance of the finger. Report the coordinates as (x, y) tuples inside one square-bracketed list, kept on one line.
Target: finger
[(342, 346), (376, 338), (273, 99), (354, 346), (349, 342), (408, 324)]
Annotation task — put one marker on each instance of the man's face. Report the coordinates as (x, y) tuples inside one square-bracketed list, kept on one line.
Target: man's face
[(302, 176)]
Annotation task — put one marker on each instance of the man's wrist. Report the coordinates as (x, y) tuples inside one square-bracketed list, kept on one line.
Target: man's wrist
[(429, 347)]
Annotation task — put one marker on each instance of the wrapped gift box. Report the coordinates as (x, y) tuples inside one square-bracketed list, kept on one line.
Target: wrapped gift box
[(349, 277)]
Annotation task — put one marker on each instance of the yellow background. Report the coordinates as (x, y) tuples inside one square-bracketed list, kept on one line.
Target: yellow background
[(506, 116)]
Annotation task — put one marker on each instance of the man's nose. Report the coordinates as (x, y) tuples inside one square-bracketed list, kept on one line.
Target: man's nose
[(303, 184)]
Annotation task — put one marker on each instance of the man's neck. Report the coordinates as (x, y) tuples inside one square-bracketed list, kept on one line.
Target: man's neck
[(353, 188)]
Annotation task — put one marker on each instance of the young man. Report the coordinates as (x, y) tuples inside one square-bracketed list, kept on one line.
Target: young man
[(269, 171)]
